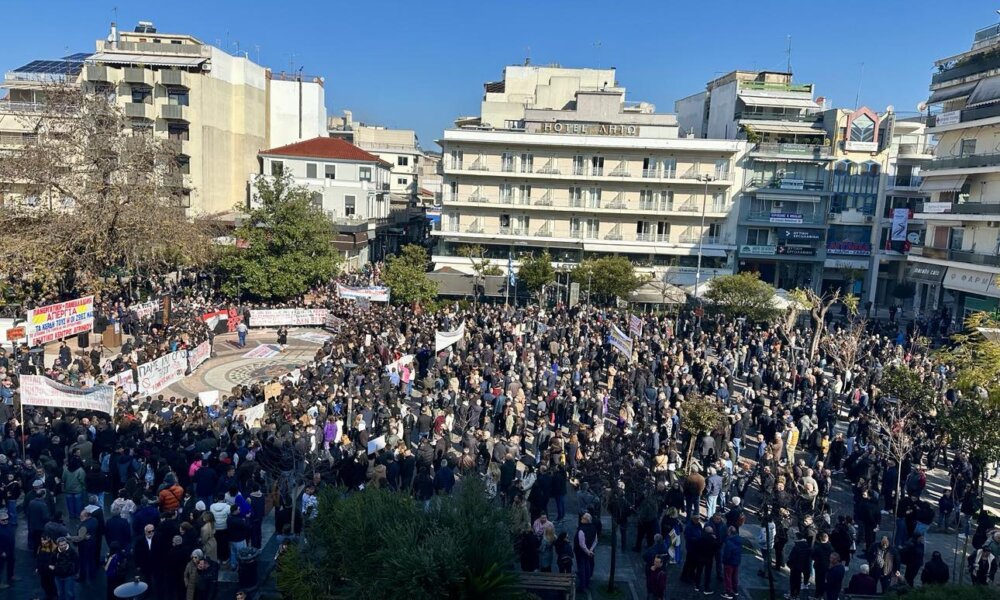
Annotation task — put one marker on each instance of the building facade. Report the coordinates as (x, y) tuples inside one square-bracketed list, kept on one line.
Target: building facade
[(347, 183), (956, 264), (559, 162), (296, 108), (398, 147)]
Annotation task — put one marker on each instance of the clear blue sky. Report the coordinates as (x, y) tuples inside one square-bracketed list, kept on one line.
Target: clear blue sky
[(418, 65)]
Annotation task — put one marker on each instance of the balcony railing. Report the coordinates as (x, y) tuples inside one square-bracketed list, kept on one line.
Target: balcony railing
[(172, 77), (645, 237), (175, 111), (615, 235), (621, 171), (776, 183), (905, 181), (474, 228), (545, 200), (478, 197), (513, 231), (973, 258), (578, 170), (544, 232), (975, 208), (548, 169), (479, 165), (918, 149), (984, 112), (507, 167), (765, 217), (971, 161), (809, 117), (977, 64), (813, 150), (777, 87), (16, 139), (506, 199), (694, 238)]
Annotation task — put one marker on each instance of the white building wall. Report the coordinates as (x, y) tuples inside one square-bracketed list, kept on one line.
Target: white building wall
[(296, 111)]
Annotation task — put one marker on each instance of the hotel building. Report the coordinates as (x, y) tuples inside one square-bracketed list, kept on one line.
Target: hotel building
[(559, 161)]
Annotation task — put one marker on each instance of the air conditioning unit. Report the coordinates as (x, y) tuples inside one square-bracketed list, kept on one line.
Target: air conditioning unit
[(869, 219), (777, 205)]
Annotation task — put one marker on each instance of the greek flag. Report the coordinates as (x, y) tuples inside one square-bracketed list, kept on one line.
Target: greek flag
[(511, 279)]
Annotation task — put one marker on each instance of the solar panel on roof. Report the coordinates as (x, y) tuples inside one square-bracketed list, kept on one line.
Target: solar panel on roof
[(52, 67), (81, 56)]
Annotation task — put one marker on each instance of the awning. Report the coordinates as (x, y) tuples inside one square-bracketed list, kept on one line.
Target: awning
[(764, 100), (120, 58), (786, 197), (651, 248), (942, 184), (786, 127), (987, 91), (926, 272), (974, 282), (951, 93)]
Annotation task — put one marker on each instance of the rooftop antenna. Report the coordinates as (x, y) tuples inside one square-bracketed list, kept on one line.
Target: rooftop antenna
[(257, 48), (861, 76), (788, 54), (291, 64), (527, 57), (597, 48), (115, 10), (237, 44)]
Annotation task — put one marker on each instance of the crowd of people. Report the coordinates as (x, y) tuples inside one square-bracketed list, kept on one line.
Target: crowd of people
[(534, 400)]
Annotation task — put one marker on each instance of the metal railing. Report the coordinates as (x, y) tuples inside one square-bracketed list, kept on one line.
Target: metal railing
[(7, 106), (814, 150), (40, 77), (153, 48), (919, 149), (975, 208), (971, 161), (973, 258), (905, 181), (507, 168), (478, 197), (545, 231), (545, 200), (779, 87), (775, 183), (16, 139), (645, 237), (976, 64), (513, 231), (549, 169), (507, 199), (787, 117), (478, 165), (474, 227), (621, 171), (983, 112), (613, 235)]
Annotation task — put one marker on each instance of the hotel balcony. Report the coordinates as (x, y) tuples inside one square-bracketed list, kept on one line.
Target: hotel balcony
[(904, 182)]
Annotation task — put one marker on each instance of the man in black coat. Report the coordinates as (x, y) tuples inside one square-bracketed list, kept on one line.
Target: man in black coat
[(935, 571), (799, 565), (705, 550), (146, 552)]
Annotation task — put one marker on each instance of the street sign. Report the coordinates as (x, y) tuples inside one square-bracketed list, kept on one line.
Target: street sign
[(15, 333)]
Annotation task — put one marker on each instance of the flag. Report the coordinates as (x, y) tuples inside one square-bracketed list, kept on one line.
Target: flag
[(635, 325), (511, 279), (619, 340), (443, 339)]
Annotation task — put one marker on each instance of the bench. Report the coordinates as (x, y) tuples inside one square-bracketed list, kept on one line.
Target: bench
[(561, 586)]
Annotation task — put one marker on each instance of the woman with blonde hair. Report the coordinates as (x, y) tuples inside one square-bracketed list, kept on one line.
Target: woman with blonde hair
[(547, 549), (208, 544)]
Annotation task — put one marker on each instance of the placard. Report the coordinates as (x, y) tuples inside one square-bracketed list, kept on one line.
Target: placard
[(199, 354), (42, 391), (158, 374), (125, 380), (144, 310)]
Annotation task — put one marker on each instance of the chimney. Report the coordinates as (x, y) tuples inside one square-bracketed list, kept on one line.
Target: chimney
[(113, 36)]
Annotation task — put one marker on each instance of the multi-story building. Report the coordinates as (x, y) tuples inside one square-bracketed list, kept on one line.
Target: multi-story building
[(349, 184), (957, 265), (785, 198), (398, 147), (910, 151), (559, 161), (220, 109)]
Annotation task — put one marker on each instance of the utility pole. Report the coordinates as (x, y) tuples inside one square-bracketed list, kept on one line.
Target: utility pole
[(701, 239)]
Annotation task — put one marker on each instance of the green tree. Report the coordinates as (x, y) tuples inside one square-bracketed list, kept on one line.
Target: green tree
[(699, 415), (380, 544), (608, 277), (406, 276), (743, 295), (975, 357), (536, 272), (481, 266), (284, 245)]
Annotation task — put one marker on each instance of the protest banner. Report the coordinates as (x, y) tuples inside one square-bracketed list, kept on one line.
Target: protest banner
[(158, 374), (373, 293), (397, 365), (276, 317), (443, 339), (311, 336), (252, 415), (272, 390), (635, 325), (264, 351), (60, 320), (42, 391), (209, 398), (619, 340), (332, 323), (199, 354), (144, 310), (125, 380)]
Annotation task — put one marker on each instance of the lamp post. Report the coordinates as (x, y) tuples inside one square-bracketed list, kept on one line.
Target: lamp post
[(706, 178)]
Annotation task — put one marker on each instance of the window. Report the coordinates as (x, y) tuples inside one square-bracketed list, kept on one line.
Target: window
[(330, 171), (364, 173), (663, 231), (718, 202), (714, 232), (349, 207), (453, 191), (178, 132), (644, 231), (507, 162), (141, 94), (277, 168), (967, 147), (863, 129), (456, 159), (402, 181), (311, 170), (594, 198), (722, 169), (597, 165), (183, 164), (403, 161), (650, 167), (955, 238), (527, 163), (506, 193), (669, 168), (316, 199), (177, 97), (524, 194), (757, 237), (578, 165), (576, 197)]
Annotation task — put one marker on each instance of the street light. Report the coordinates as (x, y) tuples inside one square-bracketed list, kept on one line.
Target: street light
[(707, 178)]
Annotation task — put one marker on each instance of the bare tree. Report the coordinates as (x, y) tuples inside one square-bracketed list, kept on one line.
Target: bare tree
[(844, 344), (894, 439), (91, 194), (818, 306)]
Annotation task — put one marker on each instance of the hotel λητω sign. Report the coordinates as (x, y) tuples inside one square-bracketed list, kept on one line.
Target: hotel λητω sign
[(590, 129)]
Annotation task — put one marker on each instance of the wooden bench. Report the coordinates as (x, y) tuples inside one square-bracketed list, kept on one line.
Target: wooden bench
[(550, 585)]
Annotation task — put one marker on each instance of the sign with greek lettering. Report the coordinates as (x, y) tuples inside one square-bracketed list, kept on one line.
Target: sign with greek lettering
[(42, 391), (166, 370), (57, 321), (276, 317)]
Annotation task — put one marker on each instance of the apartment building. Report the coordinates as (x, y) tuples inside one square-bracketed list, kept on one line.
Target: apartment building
[(219, 109), (398, 147), (349, 184), (559, 161), (957, 263)]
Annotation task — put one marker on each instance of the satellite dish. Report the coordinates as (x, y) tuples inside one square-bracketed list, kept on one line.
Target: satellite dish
[(921, 106), (890, 109)]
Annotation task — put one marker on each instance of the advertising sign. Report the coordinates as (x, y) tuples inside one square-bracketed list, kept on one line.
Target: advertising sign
[(805, 235), (42, 391), (57, 321), (849, 247), (783, 217), (796, 250), (937, 207), (762, 250), (900, 220), (276, 317), (793, 184)]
